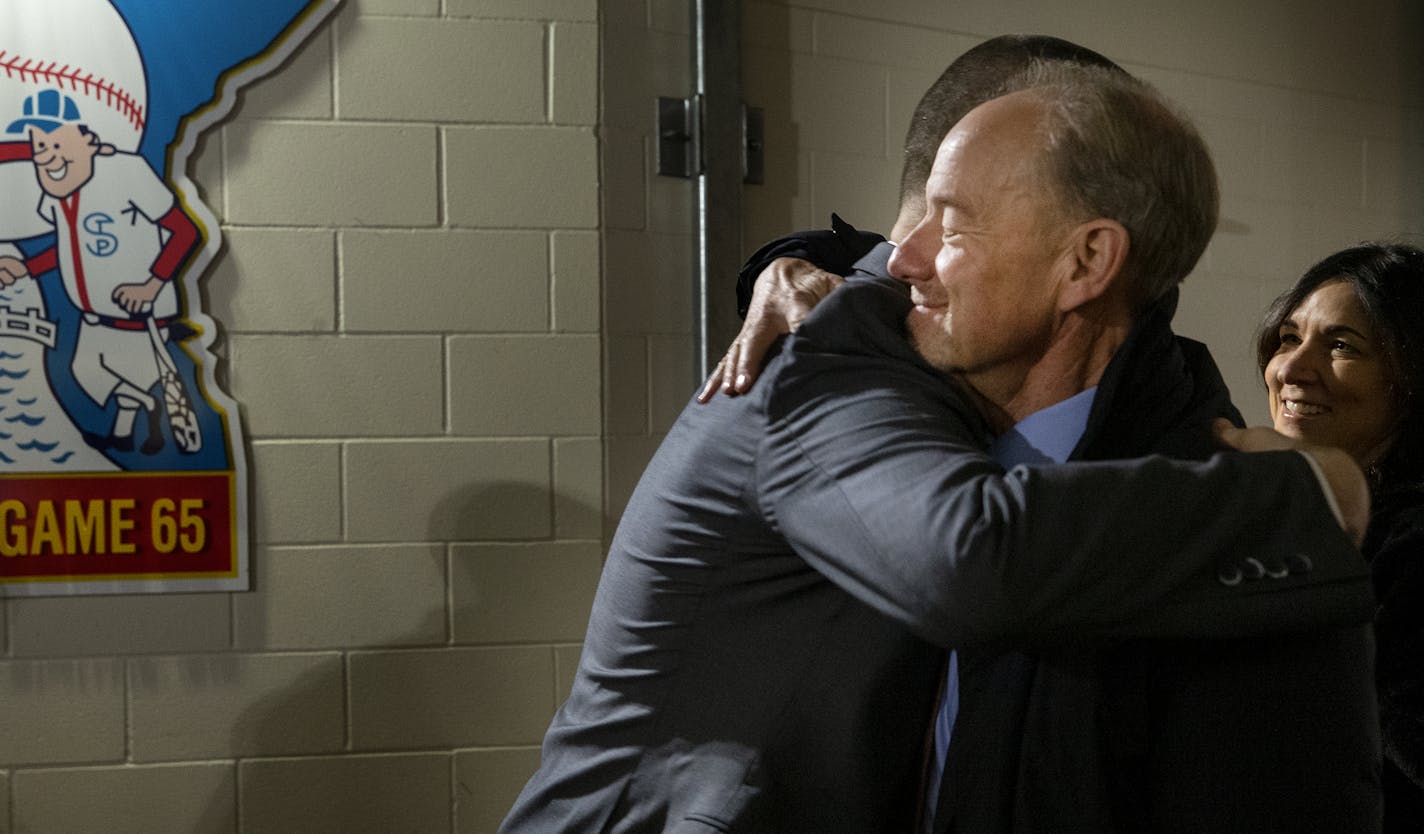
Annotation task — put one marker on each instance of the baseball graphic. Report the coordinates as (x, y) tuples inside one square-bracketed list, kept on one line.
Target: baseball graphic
[(84, 49), (110, 408)]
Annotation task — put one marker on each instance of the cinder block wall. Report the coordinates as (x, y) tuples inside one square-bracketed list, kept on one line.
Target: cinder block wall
[(410, 301), (1315, 119)]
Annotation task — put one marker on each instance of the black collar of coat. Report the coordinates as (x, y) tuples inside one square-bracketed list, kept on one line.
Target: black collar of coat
[(1158, 394)]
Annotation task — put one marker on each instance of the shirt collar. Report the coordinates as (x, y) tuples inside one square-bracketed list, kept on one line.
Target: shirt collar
[(1048, 435)]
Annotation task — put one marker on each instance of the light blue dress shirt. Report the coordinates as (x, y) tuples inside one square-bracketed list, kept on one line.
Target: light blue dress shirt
[(1048, 435)]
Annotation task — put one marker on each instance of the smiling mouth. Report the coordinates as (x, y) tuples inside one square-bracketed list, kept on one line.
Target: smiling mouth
[(921, 301), (1297, 408), (57, 174)]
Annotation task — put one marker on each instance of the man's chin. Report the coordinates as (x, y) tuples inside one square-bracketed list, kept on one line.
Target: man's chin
[(930, 342)]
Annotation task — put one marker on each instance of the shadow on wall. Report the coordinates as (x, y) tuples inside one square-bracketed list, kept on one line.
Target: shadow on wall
[(380, 726), (499, 510)]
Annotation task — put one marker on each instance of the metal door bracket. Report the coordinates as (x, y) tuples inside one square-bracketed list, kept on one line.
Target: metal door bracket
[(680, 139), (679, 136)]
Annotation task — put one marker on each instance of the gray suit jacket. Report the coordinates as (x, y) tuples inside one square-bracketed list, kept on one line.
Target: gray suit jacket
[(763, 648)]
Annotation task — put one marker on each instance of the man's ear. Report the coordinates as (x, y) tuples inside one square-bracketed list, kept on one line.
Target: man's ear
[(1098, 251)]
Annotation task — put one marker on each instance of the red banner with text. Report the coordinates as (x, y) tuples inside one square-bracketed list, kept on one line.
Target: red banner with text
[(151, 525)]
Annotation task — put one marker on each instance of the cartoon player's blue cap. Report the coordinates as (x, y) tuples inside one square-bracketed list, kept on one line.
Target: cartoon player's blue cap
[(47, 110)]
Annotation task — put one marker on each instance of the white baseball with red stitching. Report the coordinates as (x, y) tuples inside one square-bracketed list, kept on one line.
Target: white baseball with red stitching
[(84, 49)]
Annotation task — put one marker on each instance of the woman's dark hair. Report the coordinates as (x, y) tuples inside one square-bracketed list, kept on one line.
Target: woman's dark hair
[(1388, 280)]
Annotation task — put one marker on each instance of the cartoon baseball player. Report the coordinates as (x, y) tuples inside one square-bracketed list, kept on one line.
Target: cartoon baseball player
[(120, 240)]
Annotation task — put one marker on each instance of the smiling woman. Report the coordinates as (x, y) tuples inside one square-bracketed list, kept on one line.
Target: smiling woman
[(1342, 353), (1330, 377)]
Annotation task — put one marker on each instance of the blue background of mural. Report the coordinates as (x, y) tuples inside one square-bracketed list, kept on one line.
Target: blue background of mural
[(186, 49)]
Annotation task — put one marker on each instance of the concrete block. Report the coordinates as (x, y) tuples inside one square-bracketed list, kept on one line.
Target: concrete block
[(625, 385), (290, 174), (198, 797), (578, 488), (777, 26), (1314, 168), (672, 201), (671, 16), (1251, 239), (648, 280), (577, 288), (442, 697), (461, 70), (852, 120), (62, 711), (346, 794), (523, 593), (223, 706), (586, 10), (449, 281), (528, 177), (454, 490), (330, 386), (1394, 177), (647, 64), (59, 626), (1238, 152), (574, 94), (625, 177), (269, 280), (343, 597), (784, 202), (524, 385), (398, 8), (891, 44), (296, 492), (624, 14)]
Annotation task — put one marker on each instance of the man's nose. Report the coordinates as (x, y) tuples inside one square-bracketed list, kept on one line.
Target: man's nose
[(913, 259)]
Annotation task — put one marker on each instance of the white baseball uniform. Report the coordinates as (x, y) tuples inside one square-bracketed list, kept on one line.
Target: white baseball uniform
[(107, 234)]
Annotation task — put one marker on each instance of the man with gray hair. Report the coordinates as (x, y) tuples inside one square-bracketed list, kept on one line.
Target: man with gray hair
[(763, 647), (1043, 271)]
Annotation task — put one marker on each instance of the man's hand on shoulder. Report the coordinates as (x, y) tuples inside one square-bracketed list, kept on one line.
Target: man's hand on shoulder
[(1341, 478), (785, 293)]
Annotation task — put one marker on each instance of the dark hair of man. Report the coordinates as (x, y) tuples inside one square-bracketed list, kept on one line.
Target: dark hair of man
[(1388, 280), (974, 78), (1117, 150)]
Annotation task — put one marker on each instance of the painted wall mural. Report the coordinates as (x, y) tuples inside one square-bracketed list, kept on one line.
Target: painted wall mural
[(122, 463)]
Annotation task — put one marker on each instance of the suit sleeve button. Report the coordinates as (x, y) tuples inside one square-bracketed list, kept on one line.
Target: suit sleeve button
[(1252, 568), (1228, 574), (1277, 570), (1299, 563)]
